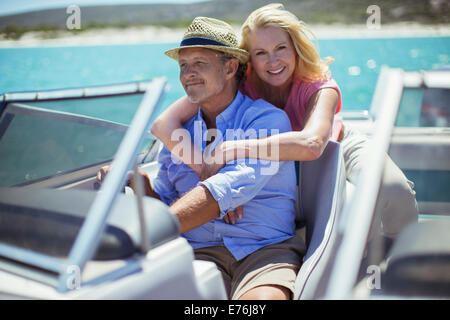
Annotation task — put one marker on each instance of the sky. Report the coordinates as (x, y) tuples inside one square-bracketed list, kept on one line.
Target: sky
[(19, 6)]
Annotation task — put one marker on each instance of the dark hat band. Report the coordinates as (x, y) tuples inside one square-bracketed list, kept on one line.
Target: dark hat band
[(199, 41)]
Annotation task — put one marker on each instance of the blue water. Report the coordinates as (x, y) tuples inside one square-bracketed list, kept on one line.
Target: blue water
[(356, 66)]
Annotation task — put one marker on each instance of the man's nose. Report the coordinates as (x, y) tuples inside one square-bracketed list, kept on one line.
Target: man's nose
[(187, 71)]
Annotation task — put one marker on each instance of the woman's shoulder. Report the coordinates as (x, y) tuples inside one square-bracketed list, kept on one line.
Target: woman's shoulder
[(306, 89), (315, 84), (302, 91)]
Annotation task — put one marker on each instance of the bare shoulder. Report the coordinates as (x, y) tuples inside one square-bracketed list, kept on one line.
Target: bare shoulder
[(324, 100)]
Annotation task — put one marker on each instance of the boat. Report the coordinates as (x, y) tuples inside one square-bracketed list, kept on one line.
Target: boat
[(63, 236)]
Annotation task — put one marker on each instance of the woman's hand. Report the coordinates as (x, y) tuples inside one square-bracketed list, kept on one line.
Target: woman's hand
[(208, 170), (212, 162), (230, 217)]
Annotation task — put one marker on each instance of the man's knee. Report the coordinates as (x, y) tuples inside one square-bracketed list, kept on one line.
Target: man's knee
[(267, 292)]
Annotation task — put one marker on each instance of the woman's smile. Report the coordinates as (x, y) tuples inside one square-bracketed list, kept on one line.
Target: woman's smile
[(277, 71)]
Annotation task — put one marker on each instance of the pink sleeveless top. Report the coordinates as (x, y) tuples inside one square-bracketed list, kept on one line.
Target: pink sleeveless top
[(299, 96)]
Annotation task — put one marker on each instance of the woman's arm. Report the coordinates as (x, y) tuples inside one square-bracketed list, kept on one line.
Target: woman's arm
[(171, 119), (304, 145)]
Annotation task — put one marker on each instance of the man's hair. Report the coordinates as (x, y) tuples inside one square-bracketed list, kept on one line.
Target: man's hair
[(240, 73)]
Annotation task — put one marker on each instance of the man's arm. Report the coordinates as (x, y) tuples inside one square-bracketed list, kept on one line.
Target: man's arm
[(195, 208), (148, 188)]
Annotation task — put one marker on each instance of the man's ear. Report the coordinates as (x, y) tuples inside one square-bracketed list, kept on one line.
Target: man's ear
[(231, 67)]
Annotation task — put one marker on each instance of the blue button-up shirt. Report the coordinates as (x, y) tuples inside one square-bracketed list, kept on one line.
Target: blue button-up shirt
[(266, 190)]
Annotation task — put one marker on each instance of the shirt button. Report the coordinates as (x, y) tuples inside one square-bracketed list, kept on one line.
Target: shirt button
[(219, 236)]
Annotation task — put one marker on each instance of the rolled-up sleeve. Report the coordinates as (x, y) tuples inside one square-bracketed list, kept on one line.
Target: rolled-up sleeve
[(236, 184)]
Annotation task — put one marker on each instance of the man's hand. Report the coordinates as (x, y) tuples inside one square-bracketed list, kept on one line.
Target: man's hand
[(101, 174), (148, 189)]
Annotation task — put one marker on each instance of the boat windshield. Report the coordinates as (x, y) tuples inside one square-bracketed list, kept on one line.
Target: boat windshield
[(39, 140), (424, 107), (50, 152)]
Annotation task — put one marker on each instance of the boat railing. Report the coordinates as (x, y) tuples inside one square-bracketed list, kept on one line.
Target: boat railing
[(359, 210)]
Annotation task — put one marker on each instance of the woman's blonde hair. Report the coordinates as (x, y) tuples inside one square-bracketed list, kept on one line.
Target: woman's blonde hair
[(309, 65)]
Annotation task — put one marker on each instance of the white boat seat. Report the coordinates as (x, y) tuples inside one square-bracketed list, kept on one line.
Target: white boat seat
[(48, 220), (419, 261), (321, 196)]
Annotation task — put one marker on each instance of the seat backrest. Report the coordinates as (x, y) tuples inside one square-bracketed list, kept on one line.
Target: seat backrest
[(419, 261), (321, 196)]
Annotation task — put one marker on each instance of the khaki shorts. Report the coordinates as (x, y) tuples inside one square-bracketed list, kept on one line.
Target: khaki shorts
[(275, 264)]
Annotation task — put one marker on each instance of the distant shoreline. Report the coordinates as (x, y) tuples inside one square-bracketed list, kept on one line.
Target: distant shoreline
[(153, 34)]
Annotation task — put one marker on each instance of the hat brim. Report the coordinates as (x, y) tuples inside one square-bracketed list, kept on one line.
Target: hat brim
[(242, 55)]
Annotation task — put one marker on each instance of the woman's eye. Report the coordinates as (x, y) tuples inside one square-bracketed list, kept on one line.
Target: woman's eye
[(259, 53), (281, 47)]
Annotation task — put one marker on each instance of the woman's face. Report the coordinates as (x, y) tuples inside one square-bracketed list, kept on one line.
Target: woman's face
[(272, 55)]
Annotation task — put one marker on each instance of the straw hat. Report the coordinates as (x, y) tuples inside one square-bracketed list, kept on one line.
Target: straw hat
[(212, 34)]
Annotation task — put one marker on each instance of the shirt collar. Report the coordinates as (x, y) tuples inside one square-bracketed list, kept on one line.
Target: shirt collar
[(228, 114)]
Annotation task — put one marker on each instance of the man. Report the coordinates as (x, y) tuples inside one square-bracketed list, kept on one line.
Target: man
[(259, 255)]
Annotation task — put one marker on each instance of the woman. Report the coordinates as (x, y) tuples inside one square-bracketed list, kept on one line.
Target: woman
[(286, 70)]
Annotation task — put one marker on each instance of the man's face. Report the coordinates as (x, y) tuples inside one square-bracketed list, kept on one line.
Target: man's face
[(201, 73)]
